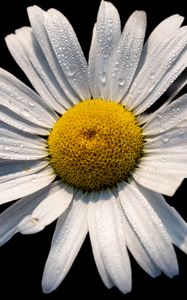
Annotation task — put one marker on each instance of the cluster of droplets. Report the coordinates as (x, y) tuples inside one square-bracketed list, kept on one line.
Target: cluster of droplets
[(67, 49), (169, 61), (168, 117), (22, 104), (105, 37), (95, 144)]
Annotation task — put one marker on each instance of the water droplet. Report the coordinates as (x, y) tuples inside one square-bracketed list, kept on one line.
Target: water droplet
[(165, 140), (106, 55), (21, 146), (25, 112), (70, 72), (31, 103), (33, 179), (139, 91), (57, 271), (163, 159), (103, 77), (121, 81), (6, 148), (152, 75)]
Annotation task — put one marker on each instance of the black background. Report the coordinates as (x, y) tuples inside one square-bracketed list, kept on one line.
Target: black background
[(22, 259)]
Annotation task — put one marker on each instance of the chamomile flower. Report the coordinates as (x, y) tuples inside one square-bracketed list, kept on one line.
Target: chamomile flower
[(85, 151)]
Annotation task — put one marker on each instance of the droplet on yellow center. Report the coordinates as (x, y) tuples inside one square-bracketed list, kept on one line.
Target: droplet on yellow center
[(95, 144)]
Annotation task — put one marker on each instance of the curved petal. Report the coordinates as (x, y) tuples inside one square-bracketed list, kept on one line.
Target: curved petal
[(127, 55), (25, 64), (149, 228), (169, 117), (111, 240), (105, 41), (138, 250), (172, 140), (179, 84), (48, 210), (92, 73), (36, 57), (68, 51), (16, 145), (20, 99), (23, 186), (162, 173), (9, 117), (173, 222), (14, 169), (95, 241), (159, 72), (70, 232), (163, 31), (36, 17), (11, 217)]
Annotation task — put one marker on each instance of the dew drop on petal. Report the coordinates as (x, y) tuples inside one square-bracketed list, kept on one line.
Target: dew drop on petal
[(31, 103), (33, 179), (25, 112), (121, 81), (163, 159), (103, 77), (165, 140), (6, 148)]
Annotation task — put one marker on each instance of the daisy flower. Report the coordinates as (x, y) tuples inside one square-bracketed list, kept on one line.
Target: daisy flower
[(84, 149)]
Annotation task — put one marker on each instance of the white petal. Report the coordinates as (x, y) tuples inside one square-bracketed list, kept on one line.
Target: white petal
[(16, 145), (16, 169), (182, 124), (149, 228), (95, 242), (7, 131), (111, 240), (30, 225), (11, 217), (68, 51), (128, 54), (162, 32), (169, 141), (20, 56), (36, 16), (34, 53), (20, 99), (159, 176), (70, 232), (173, 92), (14, 120), (159, 72), (172, 163), (171, 75), (175, 225), (92, 73), (108, 31), (20, 187), (48, 210), (137, 249), (170, 116)]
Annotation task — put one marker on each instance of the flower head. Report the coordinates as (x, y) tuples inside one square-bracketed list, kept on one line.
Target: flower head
[(85, 150)]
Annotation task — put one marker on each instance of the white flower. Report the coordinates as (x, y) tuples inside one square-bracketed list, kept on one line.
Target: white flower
[(113, 160)]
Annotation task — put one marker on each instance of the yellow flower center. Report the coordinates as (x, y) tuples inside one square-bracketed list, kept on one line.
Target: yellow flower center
[(95, 144)]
